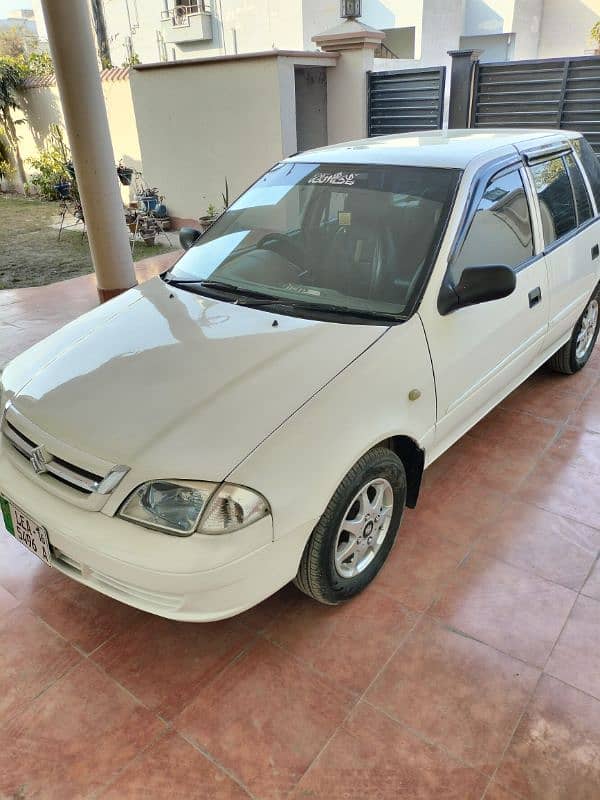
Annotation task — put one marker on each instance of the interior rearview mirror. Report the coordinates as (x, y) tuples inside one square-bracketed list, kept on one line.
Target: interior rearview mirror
[(477, 285), (187, 237)]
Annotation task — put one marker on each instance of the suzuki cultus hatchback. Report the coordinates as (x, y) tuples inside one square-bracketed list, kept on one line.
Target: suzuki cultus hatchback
[(264, 411)]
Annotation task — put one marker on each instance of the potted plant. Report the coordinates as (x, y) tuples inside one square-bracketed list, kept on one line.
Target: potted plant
[(207, 220), (125, 174)]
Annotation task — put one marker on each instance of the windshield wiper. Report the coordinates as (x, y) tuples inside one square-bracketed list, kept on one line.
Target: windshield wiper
[(221, 286), (254, 299), (321, 307)]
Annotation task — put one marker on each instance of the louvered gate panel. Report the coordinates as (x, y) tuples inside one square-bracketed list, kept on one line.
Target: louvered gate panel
[(548, 93), (581, 105), (523, 94), (401, 101)]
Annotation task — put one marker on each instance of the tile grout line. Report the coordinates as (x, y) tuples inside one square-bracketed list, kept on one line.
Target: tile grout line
[(357, 702)]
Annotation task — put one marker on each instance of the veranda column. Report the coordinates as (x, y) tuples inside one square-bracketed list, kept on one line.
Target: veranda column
[(75, 64)]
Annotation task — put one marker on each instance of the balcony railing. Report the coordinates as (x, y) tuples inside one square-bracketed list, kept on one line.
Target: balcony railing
[(383, 51), (187, 24), (180, 15)]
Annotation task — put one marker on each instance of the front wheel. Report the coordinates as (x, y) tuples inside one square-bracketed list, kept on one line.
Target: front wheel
[(574, 355), (356, 532)]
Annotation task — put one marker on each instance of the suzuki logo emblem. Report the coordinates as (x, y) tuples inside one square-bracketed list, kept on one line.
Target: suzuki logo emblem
[(38, 460)]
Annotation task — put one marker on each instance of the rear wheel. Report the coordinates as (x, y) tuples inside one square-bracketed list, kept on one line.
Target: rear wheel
[(574, 355), (356, 532)]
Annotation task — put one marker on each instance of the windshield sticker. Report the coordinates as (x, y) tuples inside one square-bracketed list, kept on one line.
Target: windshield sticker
[(334, 178), (344, 218)]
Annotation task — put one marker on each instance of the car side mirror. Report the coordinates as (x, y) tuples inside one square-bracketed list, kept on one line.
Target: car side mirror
[(477, 285), (188, 236)]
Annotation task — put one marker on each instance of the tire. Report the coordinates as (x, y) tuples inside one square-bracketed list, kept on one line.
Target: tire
[(324, 574), (574, 354)]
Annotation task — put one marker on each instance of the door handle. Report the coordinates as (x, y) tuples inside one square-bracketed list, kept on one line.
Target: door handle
[(595, 251), (535, 295)]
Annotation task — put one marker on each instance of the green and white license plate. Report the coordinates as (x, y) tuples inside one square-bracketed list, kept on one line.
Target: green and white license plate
[(33, 536)]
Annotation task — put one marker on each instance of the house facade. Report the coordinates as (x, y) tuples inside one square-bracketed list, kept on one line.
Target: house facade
[(418, 32)]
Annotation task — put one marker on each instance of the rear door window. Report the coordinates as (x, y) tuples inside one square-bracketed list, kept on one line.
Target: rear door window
[(583, 205), (557, 205), (591, 165)]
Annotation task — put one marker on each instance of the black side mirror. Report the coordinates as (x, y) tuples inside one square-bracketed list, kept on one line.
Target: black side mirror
[(477, 285), (187, 237)]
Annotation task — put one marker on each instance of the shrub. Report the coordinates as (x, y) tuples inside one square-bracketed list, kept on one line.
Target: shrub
[(51, 165)]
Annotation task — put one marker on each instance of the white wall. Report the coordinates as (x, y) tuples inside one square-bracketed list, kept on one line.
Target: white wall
[(234, 132), (565, 27)]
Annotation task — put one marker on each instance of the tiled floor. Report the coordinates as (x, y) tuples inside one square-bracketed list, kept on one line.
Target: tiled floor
[(470, 669)]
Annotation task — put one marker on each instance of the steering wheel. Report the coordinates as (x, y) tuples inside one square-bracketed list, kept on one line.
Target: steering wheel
[(285, 246)]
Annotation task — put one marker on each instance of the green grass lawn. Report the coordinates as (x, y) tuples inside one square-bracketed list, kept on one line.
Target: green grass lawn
[(30, 253)]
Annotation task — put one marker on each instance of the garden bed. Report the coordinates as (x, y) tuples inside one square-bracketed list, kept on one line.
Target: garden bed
[(30, 253)]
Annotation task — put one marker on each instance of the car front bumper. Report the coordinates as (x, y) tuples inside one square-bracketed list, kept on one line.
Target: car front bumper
[(197, 578)]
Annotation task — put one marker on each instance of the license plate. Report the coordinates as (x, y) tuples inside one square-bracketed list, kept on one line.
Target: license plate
[(33, 536)]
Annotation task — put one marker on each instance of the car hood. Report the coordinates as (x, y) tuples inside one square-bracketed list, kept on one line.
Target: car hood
[(175, 384)]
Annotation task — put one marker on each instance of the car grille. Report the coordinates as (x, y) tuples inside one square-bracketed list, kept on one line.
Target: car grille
[(72, 475)]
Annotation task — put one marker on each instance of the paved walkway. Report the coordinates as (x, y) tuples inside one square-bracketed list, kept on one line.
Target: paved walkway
[(28, 315), (470, 668)]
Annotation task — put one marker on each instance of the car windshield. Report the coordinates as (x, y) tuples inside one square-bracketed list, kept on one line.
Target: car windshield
[(331, 238)]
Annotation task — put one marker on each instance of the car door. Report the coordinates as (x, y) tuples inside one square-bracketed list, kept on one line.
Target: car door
[(571, 239), (481, 352)]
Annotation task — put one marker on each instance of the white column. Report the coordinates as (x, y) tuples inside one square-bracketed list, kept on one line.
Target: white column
[(347, 81), (76, 67)]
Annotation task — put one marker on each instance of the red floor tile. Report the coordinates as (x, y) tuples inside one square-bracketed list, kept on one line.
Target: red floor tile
[(348, 643), (7, 601), (419, 565), (459, 693), (492, 464), (265, 719), (543, 399), (497, 792), (83, 616), (591, 587), (172, 769), (257, 618), (32, 657), (587, 415), (576, 656), (553, 547), (454, 510), (515, 431), (165, 663), (577, 449), (22, 573), (555, 752), (373, 757), (512, 610), (73, 738)]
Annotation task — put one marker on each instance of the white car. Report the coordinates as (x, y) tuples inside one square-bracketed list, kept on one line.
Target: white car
[(264, 411)]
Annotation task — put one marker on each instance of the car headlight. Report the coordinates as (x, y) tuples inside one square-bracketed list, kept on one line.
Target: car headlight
[(181, 508)]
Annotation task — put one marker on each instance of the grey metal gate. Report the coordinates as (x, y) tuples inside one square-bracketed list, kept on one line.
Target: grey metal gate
[(406, 100), (548, 93)]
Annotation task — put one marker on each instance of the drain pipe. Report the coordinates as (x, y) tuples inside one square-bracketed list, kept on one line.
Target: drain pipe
[(74, 56)]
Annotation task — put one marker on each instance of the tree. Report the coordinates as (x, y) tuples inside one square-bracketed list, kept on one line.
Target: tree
[(101, 35), (12, 77), (13, 74), (17, 41)]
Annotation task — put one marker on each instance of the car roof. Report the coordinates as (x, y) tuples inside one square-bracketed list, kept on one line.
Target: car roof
[(453, 148)]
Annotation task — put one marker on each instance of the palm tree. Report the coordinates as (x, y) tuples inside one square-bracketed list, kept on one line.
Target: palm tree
[(11, 81)]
